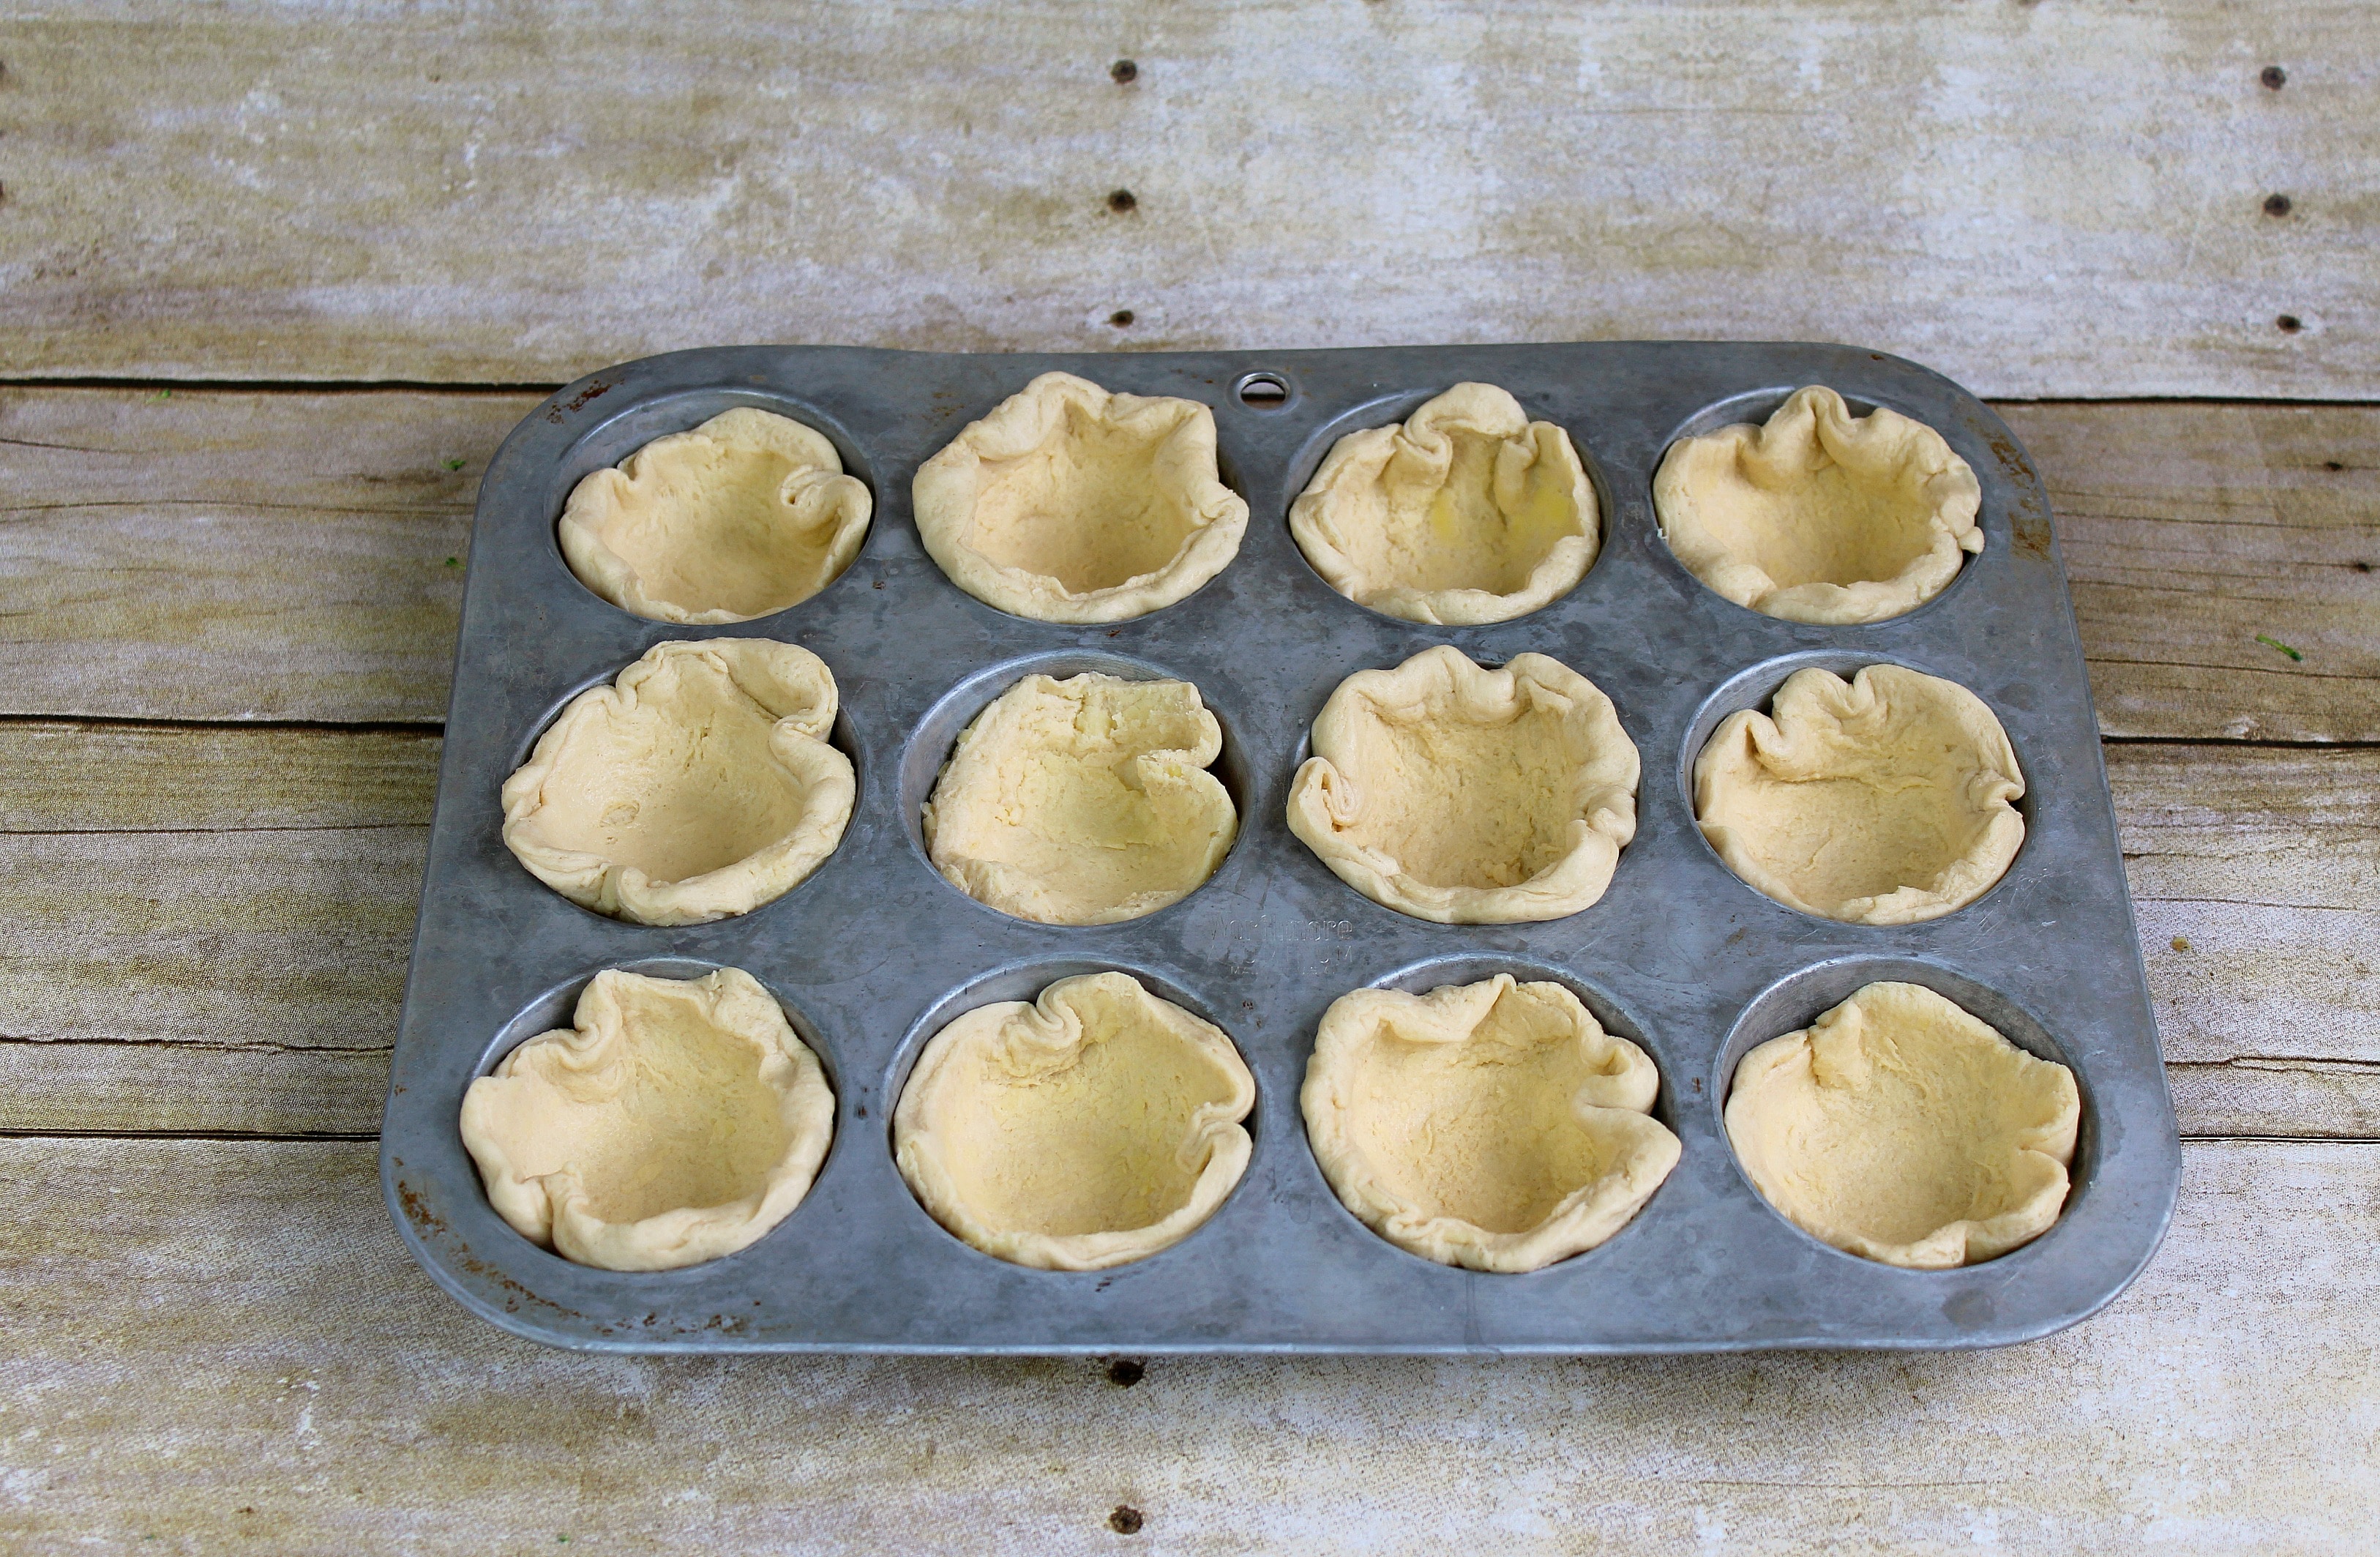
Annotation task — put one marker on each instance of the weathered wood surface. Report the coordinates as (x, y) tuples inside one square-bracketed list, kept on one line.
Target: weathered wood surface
[(219, 923), (2192, 531), (2061, 200), (221, 1345), (251, 555), (256, 556)]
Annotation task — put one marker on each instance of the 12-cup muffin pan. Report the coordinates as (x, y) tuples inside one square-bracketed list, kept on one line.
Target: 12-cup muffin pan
[(875, 952)]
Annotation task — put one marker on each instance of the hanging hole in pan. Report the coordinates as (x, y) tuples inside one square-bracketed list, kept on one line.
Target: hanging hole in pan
[(1263, 392)]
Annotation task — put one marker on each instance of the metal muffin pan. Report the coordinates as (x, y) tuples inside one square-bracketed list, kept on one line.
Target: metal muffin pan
[(875, 950)]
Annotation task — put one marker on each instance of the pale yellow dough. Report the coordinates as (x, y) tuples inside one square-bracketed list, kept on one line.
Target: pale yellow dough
[(1468, 511), (678, 1122), (1094, 1126), (1469, 796), (1068, 503), (747, 514), (1820, 516), (1493, 1125), (1083, 801), (1900, 1127), (1885, 799), (698, 785)]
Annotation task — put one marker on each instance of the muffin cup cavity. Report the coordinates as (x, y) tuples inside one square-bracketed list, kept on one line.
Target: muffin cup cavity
[(1092, 1122), (1953, 876), (641, 424), (1475, 1111), (933, 748), (699, 785), (1813, 506), (1794, 1003), (652, 1117)]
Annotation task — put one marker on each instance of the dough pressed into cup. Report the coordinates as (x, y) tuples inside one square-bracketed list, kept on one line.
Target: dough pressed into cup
[(1820, 516), (746, 515), (675, 1122), (1468, 511), (1493, 1125), (1094, 1126), (1468, 795), (1083, 801), (1885, 799), (1068, 503), (697, 786), (1900, 1127)]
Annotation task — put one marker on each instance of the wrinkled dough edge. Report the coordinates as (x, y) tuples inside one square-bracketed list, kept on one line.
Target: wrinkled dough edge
[(783, 679), (1216, 1126), (555, 1215), (1742, 736), (615, 578), (1320, 806), (997, 885), (1317, 520), (1953, 497), (1957, 1243), (1356, 1026), (943, 498)]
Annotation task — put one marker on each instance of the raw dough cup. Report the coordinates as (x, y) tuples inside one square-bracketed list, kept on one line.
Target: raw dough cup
[(697, 786), (744, 516), (1886, 800), (1469, 512), (1494, 1126), (1068, 503), (678, 1122), (1082, 801), (1900, 1127), (1820, 516), (1094, 1126), (1467, 795)]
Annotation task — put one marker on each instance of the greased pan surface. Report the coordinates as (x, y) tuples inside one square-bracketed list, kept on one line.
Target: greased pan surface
[(876, 951)]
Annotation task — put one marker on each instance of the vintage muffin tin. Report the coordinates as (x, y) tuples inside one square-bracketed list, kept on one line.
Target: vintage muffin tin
[(876, 951)]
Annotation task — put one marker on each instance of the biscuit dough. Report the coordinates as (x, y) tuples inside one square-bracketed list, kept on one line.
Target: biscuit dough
[(1900, 1127), (1068, 503), (1820, 516), (1469, 512), (698, 785), (1469, 796), (1094, 1126), (1083, 801), (1881, 800), (676, 1121), (1493, 1125), (747, 514)]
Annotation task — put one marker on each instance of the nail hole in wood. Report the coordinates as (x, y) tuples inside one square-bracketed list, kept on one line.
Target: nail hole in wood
[(2273, 77), (1125, 1520), (2290, 323), (1120, 318), (2276, 205), (1124, 71), (1122, 201)]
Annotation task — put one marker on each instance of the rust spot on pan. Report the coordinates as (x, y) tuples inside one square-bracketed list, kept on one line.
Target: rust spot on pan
[(431, 1224), (579, 399)]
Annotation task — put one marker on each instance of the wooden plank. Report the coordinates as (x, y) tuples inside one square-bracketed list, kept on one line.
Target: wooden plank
[(2063, 201), (219, 925), (237, 556), (2193, 533), (305, 539), (2264, 865), (217, 1344), (220, 918)]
